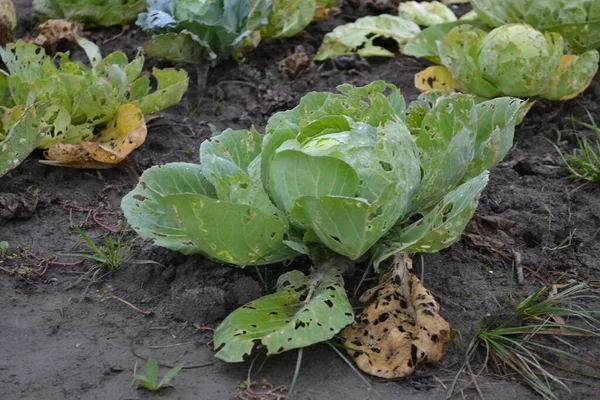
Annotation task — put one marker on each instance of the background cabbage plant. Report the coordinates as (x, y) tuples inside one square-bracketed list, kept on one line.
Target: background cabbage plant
[(339, 175), (68, 101), (199, 30), (512, 60), (91, 12), (577, 21)]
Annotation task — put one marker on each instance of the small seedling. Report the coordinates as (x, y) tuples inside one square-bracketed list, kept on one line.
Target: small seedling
[(112, 255), (520, 344), (584, 163), (3, 248), (150, 380)]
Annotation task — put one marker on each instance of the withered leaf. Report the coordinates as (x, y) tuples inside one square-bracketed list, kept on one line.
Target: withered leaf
[(400, 329), (295, 64), (54, 31), (125, 132)]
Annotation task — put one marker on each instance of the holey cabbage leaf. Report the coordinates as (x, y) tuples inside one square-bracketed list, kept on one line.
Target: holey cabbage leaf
[(69, 101), (340, 174)]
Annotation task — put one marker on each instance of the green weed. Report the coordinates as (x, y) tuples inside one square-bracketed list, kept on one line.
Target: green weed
[(584, 163), (150, 380), (536, 337)]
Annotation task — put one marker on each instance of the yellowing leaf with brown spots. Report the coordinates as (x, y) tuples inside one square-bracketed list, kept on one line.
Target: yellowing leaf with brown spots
[(125, 132), (54, 31), (400, 329), (434, 78)]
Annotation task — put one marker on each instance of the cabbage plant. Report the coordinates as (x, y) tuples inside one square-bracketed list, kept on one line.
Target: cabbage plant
[(68, 101), (515, 60), (340, 178), (91, 12), (200, 30), (577, 21)]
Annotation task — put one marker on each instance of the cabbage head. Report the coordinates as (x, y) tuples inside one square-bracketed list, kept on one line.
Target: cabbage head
[(515, 60), (340, 173)]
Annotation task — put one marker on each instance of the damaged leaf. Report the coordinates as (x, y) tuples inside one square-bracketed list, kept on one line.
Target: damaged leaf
[(304, 310), (54, 31), (8, 21), (91, 12), (426, 13), (358, 37), (436, 77), (400, 329), (125, 132), (294, 65), (21, 136), (72, 100)]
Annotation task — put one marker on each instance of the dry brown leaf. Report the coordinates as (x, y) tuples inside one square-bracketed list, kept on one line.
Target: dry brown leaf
[(400, 329), (125, 132), (322, 13), (54, 31), (8, 21), (295, 64)]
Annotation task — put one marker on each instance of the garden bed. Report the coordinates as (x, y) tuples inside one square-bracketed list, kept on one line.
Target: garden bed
[(63, 339)]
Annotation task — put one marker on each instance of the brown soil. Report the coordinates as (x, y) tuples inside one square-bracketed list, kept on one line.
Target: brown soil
[(61, 342)]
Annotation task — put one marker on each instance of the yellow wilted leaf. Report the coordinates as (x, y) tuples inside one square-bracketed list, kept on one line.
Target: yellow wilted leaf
[(436, 77), (563, 64), (400, 329), (125, 132)]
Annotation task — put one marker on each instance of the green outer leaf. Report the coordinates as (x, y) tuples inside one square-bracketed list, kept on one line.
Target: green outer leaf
[(91, 51), (367, 104), (458, 52), (4, 90), (288, 17), (150, 219), (324, 125), (350, 226), (426, 13), (145, 382), (446, 141), (169, 376), (236, 186), (424, 43), (495, 130), (92, 13), (152, 370), (171, 86), (271, 143), (233, 233), (358, 37), (577, 21), (288, 319), (437, 229), (573, 78), (22, 137), (580, 37), (295, 174), (240, 147), (182, 47)]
